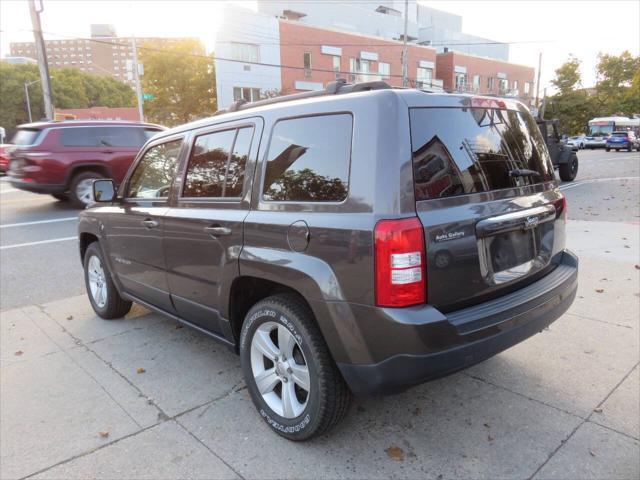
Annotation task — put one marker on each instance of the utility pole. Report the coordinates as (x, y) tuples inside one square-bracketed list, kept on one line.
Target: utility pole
[(136, 78), (405, 60), (42, 58), (26, 95), (538, 80)]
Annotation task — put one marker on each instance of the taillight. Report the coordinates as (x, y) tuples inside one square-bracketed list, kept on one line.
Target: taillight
[(400, 263), (561, 207)]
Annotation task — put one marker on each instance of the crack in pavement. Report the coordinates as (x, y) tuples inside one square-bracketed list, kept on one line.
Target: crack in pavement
[(588, 419)]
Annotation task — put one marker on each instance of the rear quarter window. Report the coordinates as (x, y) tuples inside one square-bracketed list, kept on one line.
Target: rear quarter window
[(458, 151), (25, 136), (97, 137), (309, 159)]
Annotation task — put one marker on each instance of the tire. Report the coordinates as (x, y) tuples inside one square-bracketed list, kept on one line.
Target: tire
[(569, 170), (312, 412), (629, 148), (78, 195), (113, 306), (607, 149), (63, 197)]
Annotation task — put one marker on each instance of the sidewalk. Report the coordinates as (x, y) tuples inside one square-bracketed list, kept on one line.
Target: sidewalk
[(141, 397)]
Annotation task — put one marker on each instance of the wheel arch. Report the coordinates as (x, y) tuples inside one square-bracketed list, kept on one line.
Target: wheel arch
[(96, 167)]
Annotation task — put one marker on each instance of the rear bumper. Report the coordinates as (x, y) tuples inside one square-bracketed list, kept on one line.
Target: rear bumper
[(463, 338), (37, 187)]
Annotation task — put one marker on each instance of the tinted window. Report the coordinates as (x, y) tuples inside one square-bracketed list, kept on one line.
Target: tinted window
[(238, 162), (308, 159), (466, 150), (25, 137), (102, 137), (620, 134), (154, 173), (208, 165)]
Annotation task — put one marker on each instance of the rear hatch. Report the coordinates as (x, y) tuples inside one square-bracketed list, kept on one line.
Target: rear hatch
[(20, 146), (621, 138), (486, 196)]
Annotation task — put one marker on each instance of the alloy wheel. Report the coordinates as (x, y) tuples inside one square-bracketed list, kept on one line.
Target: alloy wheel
[(84, 191), (97, 281), (280, 369)]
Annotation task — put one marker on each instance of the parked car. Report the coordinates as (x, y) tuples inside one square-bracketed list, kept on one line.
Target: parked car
[(576, 142), (626, 140), (563, 157), (63, 158), (595, 142), (4, 158), (302, 232)]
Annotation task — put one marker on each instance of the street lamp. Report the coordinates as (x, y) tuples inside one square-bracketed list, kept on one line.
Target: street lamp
[(26, 94)]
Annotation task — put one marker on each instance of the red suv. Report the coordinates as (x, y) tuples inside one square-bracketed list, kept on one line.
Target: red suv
[(63, 158)]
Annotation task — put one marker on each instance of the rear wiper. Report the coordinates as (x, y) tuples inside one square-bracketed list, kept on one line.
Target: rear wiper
[(523, 172)]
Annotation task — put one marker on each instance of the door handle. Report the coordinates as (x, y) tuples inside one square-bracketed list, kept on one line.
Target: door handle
[(148, 223), (218, 231)]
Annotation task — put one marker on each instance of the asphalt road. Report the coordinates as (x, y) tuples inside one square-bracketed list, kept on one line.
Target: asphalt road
[(39, 254)]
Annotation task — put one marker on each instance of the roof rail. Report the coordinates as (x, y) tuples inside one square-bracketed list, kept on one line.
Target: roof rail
[(333, 88)]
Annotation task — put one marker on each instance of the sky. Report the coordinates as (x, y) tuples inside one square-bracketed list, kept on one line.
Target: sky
[(557, 28)]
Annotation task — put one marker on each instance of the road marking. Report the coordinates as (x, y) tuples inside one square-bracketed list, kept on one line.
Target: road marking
[(53, 240), (38, 222), (567, 186)]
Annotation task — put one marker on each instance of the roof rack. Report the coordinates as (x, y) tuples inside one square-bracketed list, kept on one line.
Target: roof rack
[(340, 86)]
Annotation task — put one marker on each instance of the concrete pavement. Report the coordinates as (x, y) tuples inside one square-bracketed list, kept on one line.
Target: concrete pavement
[(563, 404)]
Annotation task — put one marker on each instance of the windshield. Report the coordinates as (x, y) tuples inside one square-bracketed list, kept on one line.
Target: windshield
[(25, 137), (466, 150), (600, 130)]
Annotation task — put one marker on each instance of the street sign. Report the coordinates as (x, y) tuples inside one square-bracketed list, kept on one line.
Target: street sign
[(148, 96)]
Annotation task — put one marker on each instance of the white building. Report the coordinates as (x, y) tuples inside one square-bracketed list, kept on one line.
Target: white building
[(385, 19), (245, 39)]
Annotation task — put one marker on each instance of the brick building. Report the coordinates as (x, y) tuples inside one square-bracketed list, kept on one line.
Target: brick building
[(102, 54), (288, 47), (319, 56), (468, 73)]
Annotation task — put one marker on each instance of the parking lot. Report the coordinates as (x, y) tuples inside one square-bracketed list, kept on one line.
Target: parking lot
[(143, 397)]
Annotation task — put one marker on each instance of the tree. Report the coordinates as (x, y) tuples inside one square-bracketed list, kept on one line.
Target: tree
[(72, 88), (568, 76), (181, 79), (615, 83), (571, 105)]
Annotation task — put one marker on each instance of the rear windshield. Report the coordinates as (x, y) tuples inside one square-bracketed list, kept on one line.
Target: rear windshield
[(25, 137), (457, 151), (620, 134)]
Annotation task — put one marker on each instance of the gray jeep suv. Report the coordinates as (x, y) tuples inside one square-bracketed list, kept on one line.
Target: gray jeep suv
[(356, 240)]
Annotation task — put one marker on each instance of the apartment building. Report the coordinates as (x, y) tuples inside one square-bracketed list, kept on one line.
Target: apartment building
[(288, 47), (473, 74), (104, 53)]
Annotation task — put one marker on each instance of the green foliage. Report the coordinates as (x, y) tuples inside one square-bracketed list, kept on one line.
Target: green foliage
[(181, 79), (617, 92), (71, 89), (567, 76)]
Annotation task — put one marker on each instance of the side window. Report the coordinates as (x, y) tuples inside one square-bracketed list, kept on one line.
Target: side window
[(309, 159), (79, 137), (154, 173), (217, 164), (208, 165), (119, 137)]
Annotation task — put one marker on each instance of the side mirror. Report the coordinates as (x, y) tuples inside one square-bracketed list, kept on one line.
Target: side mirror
[(104, 191)]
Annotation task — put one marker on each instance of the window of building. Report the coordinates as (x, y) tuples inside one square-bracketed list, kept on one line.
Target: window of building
[(245, 52), (515, 85), (216, 168), (504, 85), (461, 82), (476, 82), (490, 81), (246, 93), (527, 88), (306, 56), (309, 159), (424, 76), (336, 63), (384, 69), (154, 174)]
